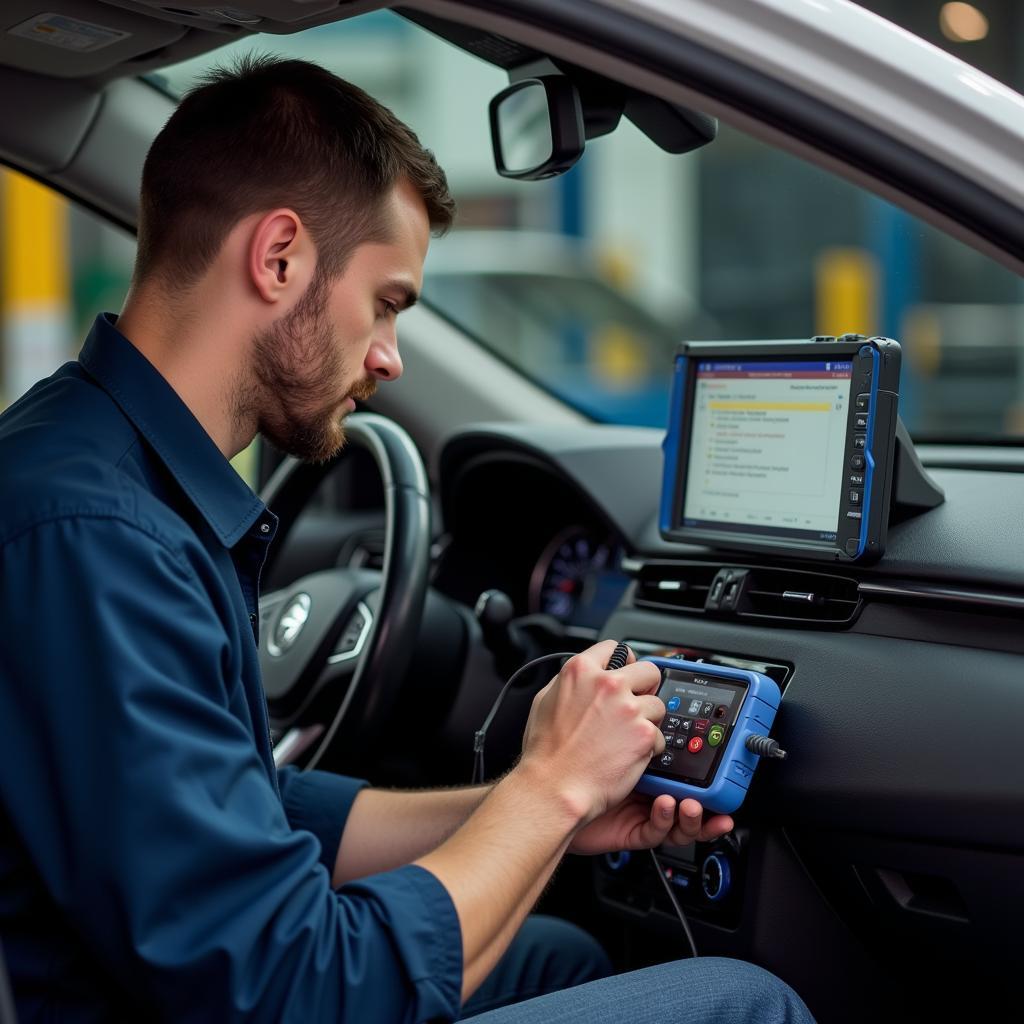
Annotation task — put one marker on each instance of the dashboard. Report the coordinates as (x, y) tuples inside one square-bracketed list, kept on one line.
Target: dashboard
[(899, 815), (889, 846), (519, 526)]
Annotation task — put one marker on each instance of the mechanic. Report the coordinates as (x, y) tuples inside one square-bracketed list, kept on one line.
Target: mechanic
[(153, 864)]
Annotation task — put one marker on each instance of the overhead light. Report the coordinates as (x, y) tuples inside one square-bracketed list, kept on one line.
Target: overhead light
[(962, 23)]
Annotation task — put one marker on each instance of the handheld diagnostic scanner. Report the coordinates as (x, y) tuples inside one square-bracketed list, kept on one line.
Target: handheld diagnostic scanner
[(716, 729)]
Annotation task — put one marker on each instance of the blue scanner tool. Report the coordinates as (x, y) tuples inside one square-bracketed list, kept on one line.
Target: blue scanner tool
[(711, 711)]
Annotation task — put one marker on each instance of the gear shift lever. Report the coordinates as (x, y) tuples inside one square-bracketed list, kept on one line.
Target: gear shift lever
[(494, 611)]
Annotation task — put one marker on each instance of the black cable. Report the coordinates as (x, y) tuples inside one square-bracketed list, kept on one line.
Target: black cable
[(675, 903), (618, 660), (619, 657), (480, 737), (764, 746)]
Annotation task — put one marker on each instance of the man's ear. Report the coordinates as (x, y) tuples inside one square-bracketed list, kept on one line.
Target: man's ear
[(282, 257)]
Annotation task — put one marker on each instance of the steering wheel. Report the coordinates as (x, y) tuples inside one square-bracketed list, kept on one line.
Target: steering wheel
[(335, 644)]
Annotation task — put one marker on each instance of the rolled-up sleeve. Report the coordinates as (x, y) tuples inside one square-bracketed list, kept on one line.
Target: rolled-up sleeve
[(152, 821), (319, 802)]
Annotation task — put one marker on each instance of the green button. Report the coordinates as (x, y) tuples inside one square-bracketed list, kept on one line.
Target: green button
[(715, 735)]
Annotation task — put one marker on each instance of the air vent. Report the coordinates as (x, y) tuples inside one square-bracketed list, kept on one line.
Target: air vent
[(804, 597), (675, 586), (747, 592)]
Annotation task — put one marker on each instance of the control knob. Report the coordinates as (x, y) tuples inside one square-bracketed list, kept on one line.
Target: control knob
[(716, 876)]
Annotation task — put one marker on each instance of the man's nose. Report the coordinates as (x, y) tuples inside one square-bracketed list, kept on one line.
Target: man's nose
[(383, 361)]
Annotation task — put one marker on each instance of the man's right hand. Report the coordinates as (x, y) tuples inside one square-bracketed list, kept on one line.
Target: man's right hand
[(592, 732), (590, 735)]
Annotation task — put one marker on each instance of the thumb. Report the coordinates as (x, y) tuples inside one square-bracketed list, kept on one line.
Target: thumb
[(658, 824)]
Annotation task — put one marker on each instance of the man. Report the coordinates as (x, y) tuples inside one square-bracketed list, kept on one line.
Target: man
[(152, 863)]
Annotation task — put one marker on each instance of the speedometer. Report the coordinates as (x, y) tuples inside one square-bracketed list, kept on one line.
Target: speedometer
[(576, 578)]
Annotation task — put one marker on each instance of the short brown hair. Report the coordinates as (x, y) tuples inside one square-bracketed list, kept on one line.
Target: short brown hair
[(270, 132)]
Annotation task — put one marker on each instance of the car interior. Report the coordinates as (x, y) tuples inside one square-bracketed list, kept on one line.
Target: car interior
[(503, 500)]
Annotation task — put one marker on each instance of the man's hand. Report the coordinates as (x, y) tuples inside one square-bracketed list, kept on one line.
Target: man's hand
[(592, 732), (639, 823), (590, 736)]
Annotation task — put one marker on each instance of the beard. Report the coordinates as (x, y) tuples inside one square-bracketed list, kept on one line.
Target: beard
[(296, 370)]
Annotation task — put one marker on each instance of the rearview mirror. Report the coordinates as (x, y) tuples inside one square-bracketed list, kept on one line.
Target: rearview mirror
[(536, 128)]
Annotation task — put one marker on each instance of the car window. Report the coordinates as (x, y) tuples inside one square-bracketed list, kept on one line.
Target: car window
[(587, 281), (61, 265)]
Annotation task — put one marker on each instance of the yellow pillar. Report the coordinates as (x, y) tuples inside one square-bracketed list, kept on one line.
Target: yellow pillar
[(34, 282), (846, 292)]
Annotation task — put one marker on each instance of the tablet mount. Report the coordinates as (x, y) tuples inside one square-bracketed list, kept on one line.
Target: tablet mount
[(913, 490)]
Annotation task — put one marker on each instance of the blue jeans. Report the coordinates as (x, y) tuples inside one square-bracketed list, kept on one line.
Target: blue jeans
[(549, 956)]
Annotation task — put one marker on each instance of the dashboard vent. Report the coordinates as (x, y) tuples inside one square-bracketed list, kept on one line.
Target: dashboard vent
[(747, 592), (675, 586), (803, 597)]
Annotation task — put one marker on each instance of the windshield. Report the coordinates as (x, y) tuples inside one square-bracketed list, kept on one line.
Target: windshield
[(586, 282)]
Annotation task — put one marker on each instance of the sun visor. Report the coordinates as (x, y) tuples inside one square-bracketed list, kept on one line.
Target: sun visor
[(70, 39)]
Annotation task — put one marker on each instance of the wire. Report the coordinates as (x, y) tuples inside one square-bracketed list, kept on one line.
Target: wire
[(618, 660), (480, 737), (766, 747), (675, 903), (619, 657)]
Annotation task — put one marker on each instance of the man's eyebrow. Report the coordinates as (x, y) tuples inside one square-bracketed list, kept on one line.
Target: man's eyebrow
[(410, 295)]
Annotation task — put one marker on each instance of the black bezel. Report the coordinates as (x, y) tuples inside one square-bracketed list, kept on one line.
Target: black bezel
[(884, 391)]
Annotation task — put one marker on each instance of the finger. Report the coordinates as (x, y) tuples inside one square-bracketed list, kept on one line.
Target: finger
[(716, 827), (652, 708), (658, 743), (658, 824), (689, 819), (641, 677)]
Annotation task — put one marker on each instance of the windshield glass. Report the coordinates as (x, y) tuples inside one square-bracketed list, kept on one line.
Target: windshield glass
[(587, 281)]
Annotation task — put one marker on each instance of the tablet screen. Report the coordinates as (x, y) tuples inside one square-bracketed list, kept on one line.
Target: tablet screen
[(768, 443)]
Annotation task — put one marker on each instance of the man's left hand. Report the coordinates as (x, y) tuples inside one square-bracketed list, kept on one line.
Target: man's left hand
[(639, 823)]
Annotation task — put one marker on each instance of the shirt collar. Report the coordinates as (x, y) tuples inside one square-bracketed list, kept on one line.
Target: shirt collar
[(178, 438)]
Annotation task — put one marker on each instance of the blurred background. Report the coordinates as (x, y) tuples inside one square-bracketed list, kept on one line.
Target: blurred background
[(588, 281)]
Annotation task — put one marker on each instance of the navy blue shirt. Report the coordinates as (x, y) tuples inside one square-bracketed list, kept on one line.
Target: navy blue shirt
[(153, 864)]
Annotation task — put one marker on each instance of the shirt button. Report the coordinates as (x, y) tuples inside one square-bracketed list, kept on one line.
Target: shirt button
[(265, 528), (252, 618)]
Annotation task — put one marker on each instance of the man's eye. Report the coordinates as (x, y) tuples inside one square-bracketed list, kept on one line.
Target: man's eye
[(390, 309)]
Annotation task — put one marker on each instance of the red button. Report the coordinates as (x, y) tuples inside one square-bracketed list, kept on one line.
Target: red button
[(695, 745)]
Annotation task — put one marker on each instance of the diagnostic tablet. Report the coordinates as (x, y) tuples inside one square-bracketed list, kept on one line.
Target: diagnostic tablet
[(784, 447)]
